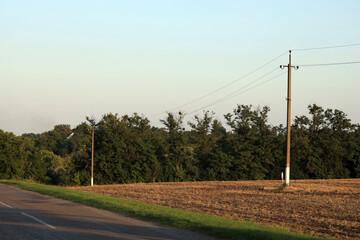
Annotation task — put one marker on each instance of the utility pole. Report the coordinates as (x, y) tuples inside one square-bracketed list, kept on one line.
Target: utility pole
[(92, 157), (288, 122)]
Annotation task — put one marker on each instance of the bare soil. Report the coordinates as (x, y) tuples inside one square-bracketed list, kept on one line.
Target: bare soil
[(329, 208)]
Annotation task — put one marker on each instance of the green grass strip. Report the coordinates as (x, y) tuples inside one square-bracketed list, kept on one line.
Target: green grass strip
[(210, 225)]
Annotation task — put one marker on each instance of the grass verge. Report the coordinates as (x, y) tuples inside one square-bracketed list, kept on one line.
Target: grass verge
[(210, 225)]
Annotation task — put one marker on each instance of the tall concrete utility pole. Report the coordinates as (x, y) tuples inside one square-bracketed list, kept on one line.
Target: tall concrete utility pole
[(288, 122)]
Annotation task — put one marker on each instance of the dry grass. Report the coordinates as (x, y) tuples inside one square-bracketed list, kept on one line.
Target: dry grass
[(329, 208)]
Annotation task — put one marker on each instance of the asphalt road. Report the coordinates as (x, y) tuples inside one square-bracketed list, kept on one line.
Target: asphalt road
[(29, 215)]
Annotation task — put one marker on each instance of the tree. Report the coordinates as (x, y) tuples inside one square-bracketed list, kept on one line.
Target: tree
[(123, 151), (55, 140), (353, 152), (179, 163), (250, 142), (207, 132), (321, 144), (324, 144), (12, 156)]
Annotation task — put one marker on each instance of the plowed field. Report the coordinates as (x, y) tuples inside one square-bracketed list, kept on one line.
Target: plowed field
[(329, 208)]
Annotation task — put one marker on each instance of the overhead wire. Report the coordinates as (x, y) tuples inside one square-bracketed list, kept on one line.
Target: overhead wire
[(327, 64), (219, 89), (261, 83), (327, 47), (238, 93), (234, 92)]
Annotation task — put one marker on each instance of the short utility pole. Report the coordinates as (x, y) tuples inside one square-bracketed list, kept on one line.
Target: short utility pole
[(288, 123), (92, 157)]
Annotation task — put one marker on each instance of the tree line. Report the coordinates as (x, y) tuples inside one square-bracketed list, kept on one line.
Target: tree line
[(128, 149)]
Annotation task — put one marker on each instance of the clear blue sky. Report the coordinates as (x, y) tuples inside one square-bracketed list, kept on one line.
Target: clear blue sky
[(63, 60)]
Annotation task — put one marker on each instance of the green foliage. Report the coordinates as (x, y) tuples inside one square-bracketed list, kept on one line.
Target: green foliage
[(217, 166), (250, 143), (12, 156), (179, 162), (123, 152), (324, 144), (55, 140)]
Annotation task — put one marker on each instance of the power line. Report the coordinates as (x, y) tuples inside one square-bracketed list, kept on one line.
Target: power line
[(326, 64), (234, 92), (246, 90), (327, 47), (258, 68), (217, 90), (234, 95)]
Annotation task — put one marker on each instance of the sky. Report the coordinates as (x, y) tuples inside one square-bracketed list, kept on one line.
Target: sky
[(61, 61)]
